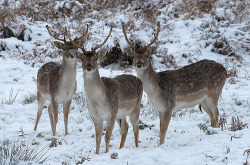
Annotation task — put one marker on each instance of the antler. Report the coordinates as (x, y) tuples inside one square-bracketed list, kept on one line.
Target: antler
[(84, 34), (158, 30), (54, 35), (123, 28), (73, 42), (98, 46)]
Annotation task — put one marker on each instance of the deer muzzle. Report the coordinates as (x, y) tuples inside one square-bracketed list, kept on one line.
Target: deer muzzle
[(139, 64), (88, 68)]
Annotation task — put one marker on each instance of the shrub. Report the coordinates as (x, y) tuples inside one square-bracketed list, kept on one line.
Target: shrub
[(115, 55), (237, 124), (14, 153)]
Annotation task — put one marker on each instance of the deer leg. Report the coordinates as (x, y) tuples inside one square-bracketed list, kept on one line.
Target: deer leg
[(124, 130), (51, 116), (55, 113), (98, 133), (134, 118), (212, 104), (216, 120), (109, 129), (40, 101), (208, 111), (216, 117), (164, 122), (66, 106)]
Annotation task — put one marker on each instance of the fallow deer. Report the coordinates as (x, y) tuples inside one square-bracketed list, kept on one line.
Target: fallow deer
[(198, 83), (57, 83), (109, 99)]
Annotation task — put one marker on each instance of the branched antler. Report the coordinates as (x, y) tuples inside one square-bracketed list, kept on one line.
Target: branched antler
[(72, 41), (84, 34), (156, 35), (123, 28), (98, 46), (54, 35)]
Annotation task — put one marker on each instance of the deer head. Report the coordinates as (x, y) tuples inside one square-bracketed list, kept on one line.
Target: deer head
[(67, 45), (141, 53), (89, 58)]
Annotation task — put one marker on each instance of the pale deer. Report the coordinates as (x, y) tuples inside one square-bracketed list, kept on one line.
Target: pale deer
[(198, 83), (57, 83), (109, 99)]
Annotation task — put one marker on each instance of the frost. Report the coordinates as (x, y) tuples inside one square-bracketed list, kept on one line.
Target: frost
[(225, 14)]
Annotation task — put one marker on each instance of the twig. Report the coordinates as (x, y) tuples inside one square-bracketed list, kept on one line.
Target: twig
[(234, 137)]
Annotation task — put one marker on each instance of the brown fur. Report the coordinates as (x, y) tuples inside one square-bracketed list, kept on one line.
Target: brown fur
[(122, 92), (56, 83), (110, 99), (199, 83), (188, 84)]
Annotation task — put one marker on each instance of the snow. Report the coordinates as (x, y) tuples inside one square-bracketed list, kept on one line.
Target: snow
[(185, 142), (225, 14)]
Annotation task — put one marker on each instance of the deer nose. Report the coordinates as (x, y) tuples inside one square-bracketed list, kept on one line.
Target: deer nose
[(88, 68), (139, 65)]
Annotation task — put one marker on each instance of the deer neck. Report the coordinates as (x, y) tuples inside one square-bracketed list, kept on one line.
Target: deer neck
[(149, 77), (92, 83), (68, 73)]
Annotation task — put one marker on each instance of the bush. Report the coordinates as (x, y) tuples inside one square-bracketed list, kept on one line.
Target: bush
[(14, 153), (115, 55), (237, 124)]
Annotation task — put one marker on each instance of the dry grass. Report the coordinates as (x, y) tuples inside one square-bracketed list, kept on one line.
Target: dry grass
[(17, 152), (11, 99), (60, 13), (115, 55), (237, 124), (149, 11), (7, 16)]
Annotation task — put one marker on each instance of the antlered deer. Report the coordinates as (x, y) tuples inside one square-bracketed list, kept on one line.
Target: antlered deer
[(109, 99), (57, 83), (198, 83)]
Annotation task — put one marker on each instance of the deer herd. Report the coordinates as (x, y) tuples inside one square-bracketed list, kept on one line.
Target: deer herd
[(112, 99)]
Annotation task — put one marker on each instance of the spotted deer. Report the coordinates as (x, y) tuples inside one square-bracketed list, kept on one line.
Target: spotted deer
[(57, 83), (109, 99), (172, 90)]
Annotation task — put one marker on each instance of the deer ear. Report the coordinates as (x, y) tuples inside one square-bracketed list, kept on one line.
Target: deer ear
[(102, 52), (152, 50), (129, 51), (75, 53), (59, 45)]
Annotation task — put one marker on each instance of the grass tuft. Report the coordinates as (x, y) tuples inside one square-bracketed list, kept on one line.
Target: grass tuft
[(11, 99), (237, 124), (17, 152)]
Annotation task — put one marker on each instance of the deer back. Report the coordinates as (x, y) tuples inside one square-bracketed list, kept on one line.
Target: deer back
[(203, 74), (123, 91), (205, 77), (129, 88)]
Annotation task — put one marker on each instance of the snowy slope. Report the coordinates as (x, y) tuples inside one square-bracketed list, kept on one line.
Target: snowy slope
[(180, 42)]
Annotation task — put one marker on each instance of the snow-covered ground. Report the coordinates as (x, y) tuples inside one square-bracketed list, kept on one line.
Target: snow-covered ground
[(180, 42)]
